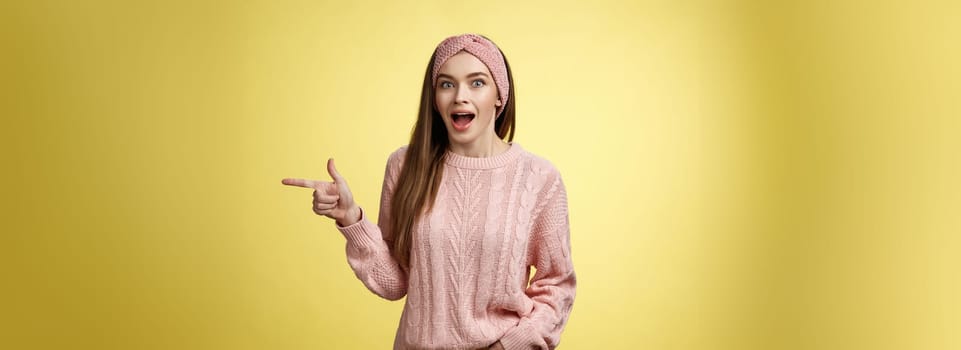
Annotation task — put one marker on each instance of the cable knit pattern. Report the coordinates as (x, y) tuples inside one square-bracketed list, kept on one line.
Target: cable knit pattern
[(467, 287)]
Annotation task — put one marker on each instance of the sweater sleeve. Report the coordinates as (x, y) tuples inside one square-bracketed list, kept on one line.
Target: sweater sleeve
[(369, 246), (552, 288)]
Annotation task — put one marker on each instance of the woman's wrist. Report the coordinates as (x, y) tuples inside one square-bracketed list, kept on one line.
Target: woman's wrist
[(353, 216)]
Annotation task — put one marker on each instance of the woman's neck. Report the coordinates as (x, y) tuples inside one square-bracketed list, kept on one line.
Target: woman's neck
[(492, 147)]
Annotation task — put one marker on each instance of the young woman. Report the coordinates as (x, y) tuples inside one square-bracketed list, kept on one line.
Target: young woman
[(463, 217)]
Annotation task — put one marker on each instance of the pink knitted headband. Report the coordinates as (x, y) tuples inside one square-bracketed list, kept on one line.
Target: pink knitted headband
[(481, 48)]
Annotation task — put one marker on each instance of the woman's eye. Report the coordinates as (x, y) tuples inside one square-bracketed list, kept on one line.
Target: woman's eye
[(478, 83), (446, 84)]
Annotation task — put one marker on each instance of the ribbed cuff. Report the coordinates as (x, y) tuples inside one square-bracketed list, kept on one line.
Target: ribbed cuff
[(362, 232), (522, 337)]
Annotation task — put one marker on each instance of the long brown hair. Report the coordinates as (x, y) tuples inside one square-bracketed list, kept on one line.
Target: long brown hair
[(423, 167)]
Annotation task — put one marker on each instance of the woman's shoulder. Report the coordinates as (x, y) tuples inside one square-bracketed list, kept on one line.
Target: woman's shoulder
[(540, 165), (395, 161), (398, 155)]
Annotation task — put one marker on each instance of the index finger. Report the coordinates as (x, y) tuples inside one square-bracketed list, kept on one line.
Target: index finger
[(299, 182)]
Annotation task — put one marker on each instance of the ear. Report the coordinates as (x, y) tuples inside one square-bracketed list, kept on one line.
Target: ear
[(498, 103)]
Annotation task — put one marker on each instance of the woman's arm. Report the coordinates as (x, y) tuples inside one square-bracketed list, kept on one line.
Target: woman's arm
[(369, 246), (552, 288)]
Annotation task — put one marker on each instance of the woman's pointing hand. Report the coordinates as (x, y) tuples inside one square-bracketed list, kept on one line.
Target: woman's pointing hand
[(331, 199)]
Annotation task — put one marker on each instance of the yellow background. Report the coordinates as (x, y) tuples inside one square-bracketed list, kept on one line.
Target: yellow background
[(741, 174)]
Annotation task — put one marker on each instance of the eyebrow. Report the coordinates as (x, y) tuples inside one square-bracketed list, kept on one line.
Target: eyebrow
[(442, 75)]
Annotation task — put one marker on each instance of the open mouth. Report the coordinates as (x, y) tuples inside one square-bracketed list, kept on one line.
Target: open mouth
[(462, 121)]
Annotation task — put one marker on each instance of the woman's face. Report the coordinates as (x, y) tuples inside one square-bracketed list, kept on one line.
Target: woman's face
[(466, 97)]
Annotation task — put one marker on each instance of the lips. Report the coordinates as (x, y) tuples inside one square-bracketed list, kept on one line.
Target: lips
[(462, 120)]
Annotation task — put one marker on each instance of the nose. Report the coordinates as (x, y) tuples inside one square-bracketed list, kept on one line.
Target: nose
[(463, 95)]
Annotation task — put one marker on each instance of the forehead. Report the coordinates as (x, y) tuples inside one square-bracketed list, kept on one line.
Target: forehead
[(462, 64)]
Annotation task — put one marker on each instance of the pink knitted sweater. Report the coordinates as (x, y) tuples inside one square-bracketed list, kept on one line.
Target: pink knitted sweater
[(467, 286)]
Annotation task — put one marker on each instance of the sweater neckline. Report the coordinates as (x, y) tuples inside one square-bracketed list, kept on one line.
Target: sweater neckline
[(495, 161)]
